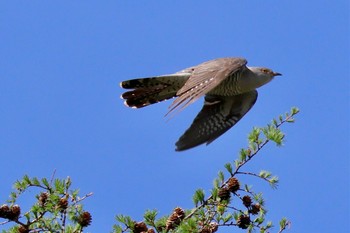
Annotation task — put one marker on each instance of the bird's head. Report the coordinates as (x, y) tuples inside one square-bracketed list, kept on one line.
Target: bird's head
[(262, 71), (262, 75)]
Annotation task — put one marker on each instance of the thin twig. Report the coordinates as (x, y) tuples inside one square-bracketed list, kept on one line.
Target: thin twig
[(3, 223), (288, 223), (253, 174), (53, 176), (84, 197)]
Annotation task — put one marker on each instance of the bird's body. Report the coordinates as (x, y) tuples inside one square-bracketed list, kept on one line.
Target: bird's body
[(229, 87)]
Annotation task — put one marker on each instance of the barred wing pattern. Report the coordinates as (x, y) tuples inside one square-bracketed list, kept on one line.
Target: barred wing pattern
[(217, 116)]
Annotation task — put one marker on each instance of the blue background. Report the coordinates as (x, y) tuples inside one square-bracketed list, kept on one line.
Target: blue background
[(61, 64)]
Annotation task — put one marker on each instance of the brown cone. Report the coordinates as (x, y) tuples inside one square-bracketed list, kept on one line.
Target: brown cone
[(14, 212), (255, 209), (23, 229), (85, 219), (175, 219), (4, 211), (224, 193), (247, 201), (43, 198), (140, 227), (233, 184), (243, 221), (63, 204)]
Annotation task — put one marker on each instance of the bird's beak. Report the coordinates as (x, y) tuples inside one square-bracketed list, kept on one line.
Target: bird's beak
[(277, 74)]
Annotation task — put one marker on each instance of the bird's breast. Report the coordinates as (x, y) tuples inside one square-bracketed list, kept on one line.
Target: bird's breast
[(228, 87)]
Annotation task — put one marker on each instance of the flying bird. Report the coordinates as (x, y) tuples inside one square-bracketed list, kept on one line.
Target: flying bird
[(227, 84)]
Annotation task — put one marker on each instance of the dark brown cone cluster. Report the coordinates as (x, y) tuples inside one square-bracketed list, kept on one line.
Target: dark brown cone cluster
[(23, 229), (10, 213), (233, 184), (43, 198), (4, 210), (247, 201), (254, 209), (205, 229), (175, 219), (211, 228), (84, 219), (224, 193), (141, 227), (63, 204), (243, 221)]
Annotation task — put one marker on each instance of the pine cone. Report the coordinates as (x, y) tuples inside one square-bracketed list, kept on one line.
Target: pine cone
[(175, 218), (63, 204), (233, 184), (214, 226), (84, 219), (243, 221), (211, 228), (140, 227), (247, 201), (205, 229), (23, 229), (14, 212), (151, 230), (255, 209), (224, 193), (43, 198), (180, 213), (4, 211)]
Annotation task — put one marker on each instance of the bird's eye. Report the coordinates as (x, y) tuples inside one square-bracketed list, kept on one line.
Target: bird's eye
[(265, 70)]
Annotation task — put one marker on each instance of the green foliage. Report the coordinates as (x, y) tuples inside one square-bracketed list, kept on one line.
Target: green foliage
[(150, 217), (231, 203), (284, 223), (58, 207), (228, 167), (198, 196)]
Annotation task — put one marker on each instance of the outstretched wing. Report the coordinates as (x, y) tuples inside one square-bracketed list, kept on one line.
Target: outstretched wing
[(217, 116), (204, 78)]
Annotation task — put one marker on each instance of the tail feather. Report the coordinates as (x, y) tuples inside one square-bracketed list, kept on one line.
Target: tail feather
[(152, 90), (143, 97)]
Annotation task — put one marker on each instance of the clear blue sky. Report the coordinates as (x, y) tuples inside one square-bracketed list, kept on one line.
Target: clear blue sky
[(61, 64)]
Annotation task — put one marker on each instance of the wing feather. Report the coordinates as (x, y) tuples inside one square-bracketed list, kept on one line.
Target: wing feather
[(217, 116), (204, 78)]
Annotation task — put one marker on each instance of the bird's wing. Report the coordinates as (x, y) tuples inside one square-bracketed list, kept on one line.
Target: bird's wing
[(217, 116), (204, 78)]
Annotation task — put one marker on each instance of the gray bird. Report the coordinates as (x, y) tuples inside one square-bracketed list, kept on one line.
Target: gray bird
[(227, 84)]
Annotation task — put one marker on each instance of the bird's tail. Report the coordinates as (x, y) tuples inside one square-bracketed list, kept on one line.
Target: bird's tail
[(147, 91)]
